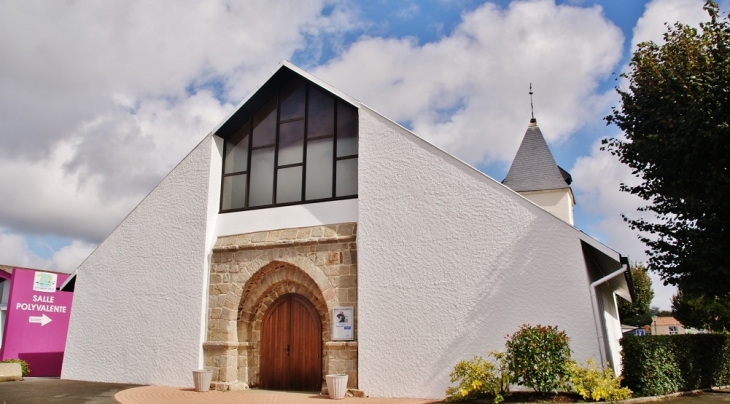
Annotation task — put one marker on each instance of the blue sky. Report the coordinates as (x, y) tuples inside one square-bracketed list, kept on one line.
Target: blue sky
[(98, 101)]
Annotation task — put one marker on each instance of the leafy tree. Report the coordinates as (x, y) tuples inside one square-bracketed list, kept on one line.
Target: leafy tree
[(677, 141), (644, 294), (702, 311), (646, 319)]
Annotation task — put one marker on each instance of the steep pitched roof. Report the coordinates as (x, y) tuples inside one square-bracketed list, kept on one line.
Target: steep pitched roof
[(534, 168)]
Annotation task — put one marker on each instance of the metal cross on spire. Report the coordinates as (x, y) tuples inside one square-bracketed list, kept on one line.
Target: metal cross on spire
[(532, 111)]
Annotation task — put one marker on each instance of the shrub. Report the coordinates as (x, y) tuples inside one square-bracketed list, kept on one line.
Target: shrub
[(23, 365), (665, 364), (650, 366), (479, 378), (590, 382), (703, 360), (538, 357), (503, 373)]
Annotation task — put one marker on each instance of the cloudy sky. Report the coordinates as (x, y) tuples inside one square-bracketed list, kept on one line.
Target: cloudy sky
[(99, 100)]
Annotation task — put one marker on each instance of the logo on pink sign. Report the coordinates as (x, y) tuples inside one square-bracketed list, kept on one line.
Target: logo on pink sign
[(45, 282)]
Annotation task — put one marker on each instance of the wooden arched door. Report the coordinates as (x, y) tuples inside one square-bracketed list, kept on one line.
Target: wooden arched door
[(291, 345)]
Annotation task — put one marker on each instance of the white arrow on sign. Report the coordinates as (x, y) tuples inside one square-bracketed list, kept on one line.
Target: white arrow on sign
[(44, 319)]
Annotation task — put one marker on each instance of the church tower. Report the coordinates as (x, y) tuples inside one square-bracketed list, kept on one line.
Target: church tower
[(535, 175)]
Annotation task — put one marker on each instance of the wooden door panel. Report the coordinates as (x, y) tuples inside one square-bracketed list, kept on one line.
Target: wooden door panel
[(274, 340), (291, 345), (306, 342)]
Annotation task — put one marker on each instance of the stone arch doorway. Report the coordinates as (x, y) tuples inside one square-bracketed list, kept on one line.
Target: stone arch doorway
[(291, 345), (249, 272)]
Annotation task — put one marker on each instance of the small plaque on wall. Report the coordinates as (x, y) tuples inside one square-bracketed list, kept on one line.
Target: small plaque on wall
[(343, 324)]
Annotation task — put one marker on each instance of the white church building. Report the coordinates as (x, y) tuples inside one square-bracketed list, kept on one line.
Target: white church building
[(309, 235)]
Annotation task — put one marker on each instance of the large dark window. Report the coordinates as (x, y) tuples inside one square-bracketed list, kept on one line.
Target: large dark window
[(299, 146)]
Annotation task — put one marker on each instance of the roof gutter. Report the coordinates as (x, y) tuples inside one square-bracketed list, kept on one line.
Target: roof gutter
[(596, 313)]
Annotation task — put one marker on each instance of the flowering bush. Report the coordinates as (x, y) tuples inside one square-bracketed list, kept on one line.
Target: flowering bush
[(480, 378), (590, 382), (538, 357)]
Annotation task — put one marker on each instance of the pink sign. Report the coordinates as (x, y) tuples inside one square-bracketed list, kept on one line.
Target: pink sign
[(37, 321)]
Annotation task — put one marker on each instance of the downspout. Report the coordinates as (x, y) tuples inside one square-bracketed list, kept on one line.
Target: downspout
[(596, 313)]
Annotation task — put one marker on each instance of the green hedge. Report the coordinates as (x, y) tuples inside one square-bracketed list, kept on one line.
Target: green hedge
[(666, 364)]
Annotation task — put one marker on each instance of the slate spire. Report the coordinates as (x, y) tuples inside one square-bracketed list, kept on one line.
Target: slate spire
[(534, 168)]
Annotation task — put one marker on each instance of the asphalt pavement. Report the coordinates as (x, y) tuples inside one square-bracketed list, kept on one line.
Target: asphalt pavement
[(38, 390)]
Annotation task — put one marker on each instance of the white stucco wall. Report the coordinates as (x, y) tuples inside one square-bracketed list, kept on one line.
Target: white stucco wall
[(310, 214), (138, 300), (559, 202), (449, 263)]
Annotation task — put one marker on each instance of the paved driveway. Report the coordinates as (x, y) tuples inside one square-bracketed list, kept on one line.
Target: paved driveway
[(34, 390)]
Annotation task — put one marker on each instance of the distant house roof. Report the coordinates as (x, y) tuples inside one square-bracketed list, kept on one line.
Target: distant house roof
[(666, 321), (534, 168), (8, 269)]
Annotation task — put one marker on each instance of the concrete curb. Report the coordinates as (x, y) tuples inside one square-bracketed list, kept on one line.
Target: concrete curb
[(659, 398), (672, 395)]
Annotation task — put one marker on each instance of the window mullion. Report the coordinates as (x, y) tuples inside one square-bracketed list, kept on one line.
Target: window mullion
[(334, 152), (223, 177), (306, 140), (248, 164), (276, 145)]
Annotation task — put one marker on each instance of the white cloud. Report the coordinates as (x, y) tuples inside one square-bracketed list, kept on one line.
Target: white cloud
[(98, 101), (14, 251), (68, 258), (62, 61), (139, 147), (44, 199), (651, 27), (468, 91)]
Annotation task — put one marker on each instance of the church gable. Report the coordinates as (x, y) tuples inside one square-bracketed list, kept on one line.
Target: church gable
[(291, 142)]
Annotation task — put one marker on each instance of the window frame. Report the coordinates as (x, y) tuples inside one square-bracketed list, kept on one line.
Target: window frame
[(248, 118)]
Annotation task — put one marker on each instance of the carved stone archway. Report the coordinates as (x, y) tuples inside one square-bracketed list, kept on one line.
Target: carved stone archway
[(249, 271)]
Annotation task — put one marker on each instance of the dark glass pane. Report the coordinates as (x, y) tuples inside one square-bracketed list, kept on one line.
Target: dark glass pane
[(321, 114), (289, 185), (291, 142), (261, 190), (292, 101), (237, 150), (346, 130), (346, 177), (264, 124), (234, 192), (319, 169)]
